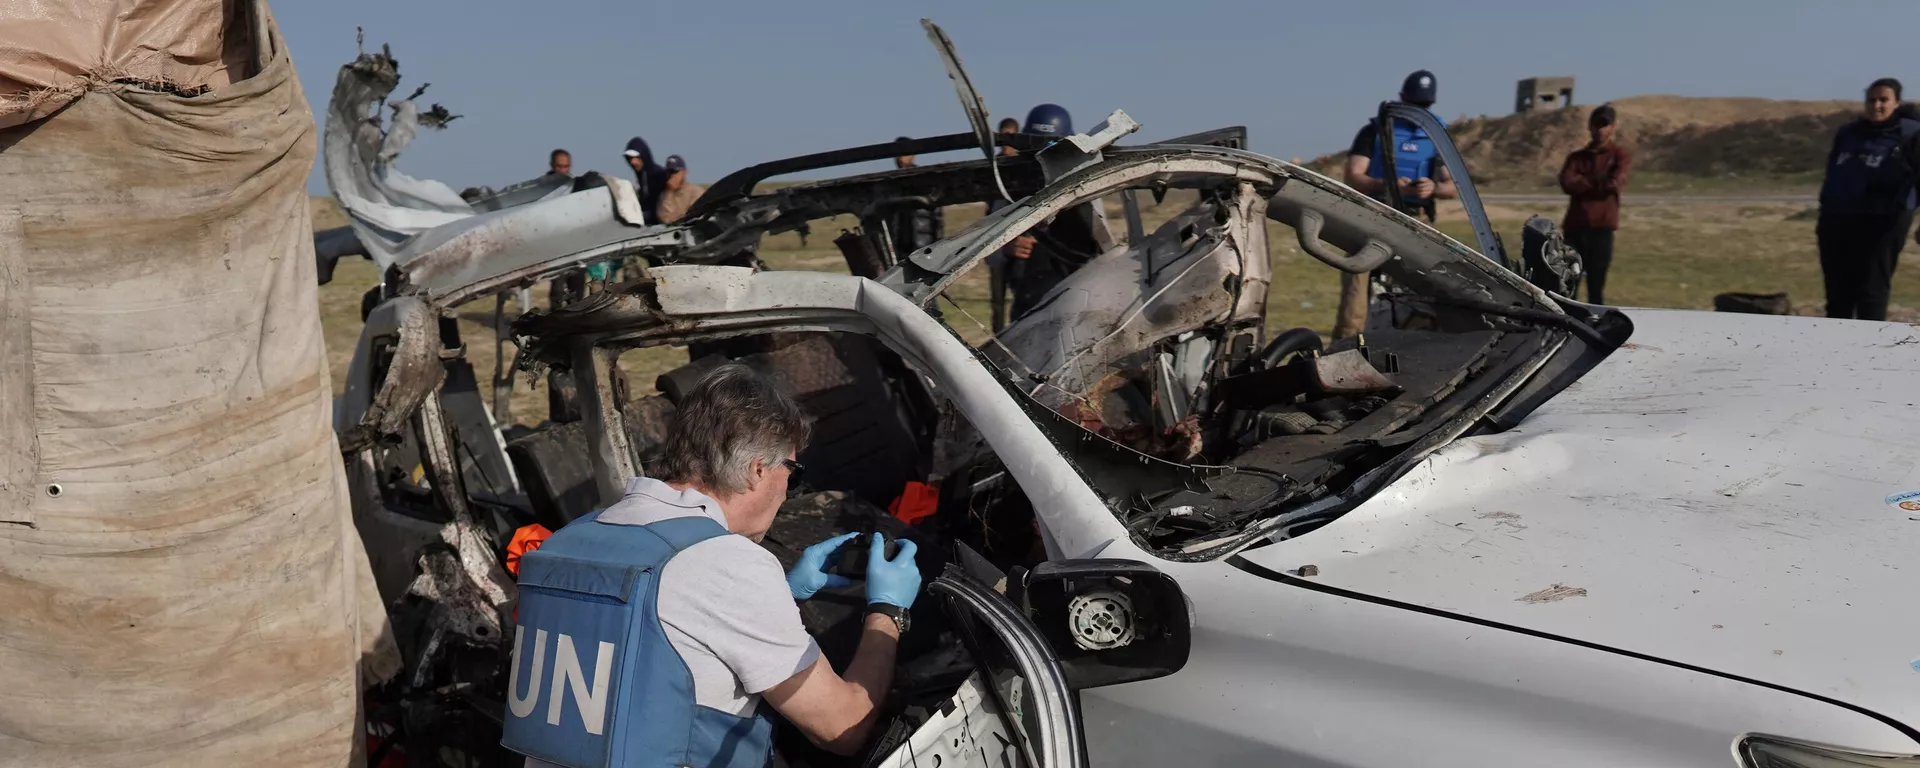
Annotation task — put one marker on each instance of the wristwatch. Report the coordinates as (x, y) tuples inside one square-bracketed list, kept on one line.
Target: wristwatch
[(899, 615)]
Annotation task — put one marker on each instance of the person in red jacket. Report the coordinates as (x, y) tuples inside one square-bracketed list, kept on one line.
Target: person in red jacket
[(1592, 177)]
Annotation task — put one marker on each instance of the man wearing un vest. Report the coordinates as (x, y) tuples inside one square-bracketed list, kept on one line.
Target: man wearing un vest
[(1867, 203), (658, 633), (1421, 179)]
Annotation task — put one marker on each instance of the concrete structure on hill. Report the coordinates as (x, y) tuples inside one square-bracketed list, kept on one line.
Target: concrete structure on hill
[(1543, 92)]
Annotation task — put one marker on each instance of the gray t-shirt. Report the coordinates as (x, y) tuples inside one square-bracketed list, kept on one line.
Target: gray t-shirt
[(724, 604)]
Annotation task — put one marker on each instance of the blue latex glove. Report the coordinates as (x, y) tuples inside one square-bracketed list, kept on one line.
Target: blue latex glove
[(894, 582), (809, 575)]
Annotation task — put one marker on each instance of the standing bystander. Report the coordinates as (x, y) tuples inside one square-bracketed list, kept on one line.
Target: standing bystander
[(1047, 254), (649, 177), (1592, 177), (1422, 179), (680, 193), (1867, 203)]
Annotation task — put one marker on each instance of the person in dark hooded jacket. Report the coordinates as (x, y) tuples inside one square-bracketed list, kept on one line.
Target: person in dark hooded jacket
[(1867, 203), (649, 177)]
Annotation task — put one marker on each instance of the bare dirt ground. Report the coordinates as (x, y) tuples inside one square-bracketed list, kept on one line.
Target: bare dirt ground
[(1670, 252)]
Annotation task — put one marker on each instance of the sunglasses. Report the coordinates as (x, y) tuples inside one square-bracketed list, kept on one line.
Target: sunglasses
[(794, 470)]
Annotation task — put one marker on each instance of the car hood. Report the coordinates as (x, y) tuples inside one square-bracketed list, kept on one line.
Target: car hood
[(1722, 492)]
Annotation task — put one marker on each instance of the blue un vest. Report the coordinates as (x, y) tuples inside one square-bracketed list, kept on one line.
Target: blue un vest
[(1869, 174), (1413, 152), (595, 682)]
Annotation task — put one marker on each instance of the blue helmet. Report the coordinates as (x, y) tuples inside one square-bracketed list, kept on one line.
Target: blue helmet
[(1420, 88), (1049, 120)]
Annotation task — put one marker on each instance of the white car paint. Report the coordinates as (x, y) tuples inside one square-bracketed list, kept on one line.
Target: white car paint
[(1284, 673), (1412, 645), (1714, 494)]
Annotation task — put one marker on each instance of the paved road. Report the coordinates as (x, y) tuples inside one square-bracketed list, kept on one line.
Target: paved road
[(1660, 199)]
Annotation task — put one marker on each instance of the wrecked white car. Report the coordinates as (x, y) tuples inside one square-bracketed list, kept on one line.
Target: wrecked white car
[(1499, 528), (1483, 536)]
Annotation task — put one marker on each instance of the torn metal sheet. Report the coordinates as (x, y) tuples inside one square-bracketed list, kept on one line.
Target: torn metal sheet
[(714, 301), (970, 99), (497, 249), (385, 206), (1193, 271), (1083, 149), (404, 333)]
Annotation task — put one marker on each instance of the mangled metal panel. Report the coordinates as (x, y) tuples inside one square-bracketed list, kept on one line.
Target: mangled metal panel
[(385, 206), (516, 245), (1195, 271), (693, 302), (1426, 260), (402, 334)]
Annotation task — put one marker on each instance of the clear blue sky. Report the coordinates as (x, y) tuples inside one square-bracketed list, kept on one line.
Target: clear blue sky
[(734, 82)]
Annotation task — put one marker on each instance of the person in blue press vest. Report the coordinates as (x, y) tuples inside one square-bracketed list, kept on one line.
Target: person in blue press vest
[(1047, 254), (1421, 178), (1867, 203), (657, 632)]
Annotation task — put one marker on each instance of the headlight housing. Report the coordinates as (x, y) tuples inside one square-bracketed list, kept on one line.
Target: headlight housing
[(1763, 751)]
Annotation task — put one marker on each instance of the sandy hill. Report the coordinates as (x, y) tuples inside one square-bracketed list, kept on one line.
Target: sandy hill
[(1679, 135)]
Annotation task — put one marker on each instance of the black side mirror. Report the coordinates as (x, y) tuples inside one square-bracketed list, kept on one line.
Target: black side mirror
[(1109, 621), (1550, 263)]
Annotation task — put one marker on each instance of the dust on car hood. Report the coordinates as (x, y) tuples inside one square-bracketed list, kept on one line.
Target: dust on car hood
[(1723, 492)]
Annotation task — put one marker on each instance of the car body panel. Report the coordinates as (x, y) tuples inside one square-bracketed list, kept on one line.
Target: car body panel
[(520, 241), (1710, 495), (1281, 674)]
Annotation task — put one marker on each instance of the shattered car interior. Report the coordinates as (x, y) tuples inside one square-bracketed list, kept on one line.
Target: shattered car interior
[(1150, 369)]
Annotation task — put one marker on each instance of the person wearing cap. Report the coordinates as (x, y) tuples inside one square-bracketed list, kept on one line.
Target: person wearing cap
[(912, 227), (1047, 254), (1867, 203), (1593, 177), (1422, 178), (649, 177), (680, 193)]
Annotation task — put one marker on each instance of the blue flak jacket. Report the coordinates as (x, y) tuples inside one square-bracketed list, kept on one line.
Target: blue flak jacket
[(1413, 152), (1869, 171), (595, 682)]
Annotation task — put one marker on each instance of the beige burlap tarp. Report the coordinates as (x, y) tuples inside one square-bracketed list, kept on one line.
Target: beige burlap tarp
[(180, 582), (53, 51)]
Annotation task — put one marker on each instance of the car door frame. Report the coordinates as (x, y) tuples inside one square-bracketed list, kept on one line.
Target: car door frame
[(1061, 742), (1490, 243)]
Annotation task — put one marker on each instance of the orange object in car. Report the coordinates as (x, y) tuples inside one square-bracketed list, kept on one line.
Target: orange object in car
[(527, 539), (917, 502)]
